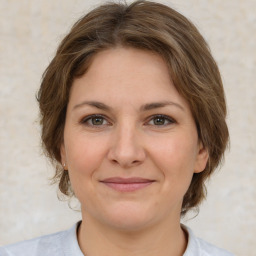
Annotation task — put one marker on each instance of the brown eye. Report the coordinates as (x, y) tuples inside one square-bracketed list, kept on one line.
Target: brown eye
[(95, 120), (161, 120)]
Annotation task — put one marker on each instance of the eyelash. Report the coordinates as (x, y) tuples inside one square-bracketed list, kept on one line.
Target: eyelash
[(88, 118), (166, 118), (85, 120)]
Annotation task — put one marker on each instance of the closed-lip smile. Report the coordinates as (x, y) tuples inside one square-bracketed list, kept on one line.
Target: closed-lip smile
[(127, 184)]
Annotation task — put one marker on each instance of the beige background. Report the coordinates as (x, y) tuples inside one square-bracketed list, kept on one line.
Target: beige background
[(29, 34)]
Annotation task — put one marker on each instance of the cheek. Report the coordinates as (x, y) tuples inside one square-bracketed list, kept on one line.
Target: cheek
[(84, 155), (175, 157)]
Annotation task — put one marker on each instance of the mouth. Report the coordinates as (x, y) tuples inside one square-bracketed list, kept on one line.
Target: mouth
[(127, 184)]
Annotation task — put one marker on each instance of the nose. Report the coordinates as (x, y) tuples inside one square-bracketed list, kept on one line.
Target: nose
[(126, 147)]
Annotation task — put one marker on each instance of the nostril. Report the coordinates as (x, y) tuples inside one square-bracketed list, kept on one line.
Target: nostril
[(126, 152)]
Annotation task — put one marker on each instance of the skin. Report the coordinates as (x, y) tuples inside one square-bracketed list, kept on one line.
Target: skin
[(127, 140)]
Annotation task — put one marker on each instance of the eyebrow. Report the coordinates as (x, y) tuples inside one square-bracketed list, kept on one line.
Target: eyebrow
[(146, 107), (95, 104), (155, 105)]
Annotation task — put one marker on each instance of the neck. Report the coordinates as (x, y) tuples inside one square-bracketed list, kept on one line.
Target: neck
[(163, 239)]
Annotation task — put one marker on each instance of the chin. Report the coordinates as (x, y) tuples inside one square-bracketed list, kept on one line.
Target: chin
[(129, 218)]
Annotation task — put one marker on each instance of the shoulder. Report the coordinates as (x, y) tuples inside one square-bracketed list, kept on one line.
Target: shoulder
[(210, 250), (45, 245), (57, 244), (199, 247)]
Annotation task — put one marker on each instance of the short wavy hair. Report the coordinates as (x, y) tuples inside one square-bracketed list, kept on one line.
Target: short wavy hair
[(148, 26)]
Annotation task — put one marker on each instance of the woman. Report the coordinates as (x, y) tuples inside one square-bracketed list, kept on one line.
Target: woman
[(133, 114)]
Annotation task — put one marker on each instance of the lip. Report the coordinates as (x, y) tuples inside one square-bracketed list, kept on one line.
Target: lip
[(127, 184)]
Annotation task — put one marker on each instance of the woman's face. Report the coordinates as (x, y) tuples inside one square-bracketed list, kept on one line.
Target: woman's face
[(130, 141)]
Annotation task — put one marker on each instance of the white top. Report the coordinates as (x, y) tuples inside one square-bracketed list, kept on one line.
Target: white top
[(65, 243)]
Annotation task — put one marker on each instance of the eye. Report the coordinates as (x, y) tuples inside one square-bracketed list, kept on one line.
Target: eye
[(95, 120), (161, 120)]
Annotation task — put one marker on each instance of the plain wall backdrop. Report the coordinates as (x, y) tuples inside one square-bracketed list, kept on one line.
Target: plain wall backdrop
[(29, 34)]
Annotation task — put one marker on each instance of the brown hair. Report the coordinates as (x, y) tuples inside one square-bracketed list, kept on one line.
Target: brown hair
[(149, 26)]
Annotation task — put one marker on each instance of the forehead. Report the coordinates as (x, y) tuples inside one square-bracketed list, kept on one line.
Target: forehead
[(128, 60), (127, 74)]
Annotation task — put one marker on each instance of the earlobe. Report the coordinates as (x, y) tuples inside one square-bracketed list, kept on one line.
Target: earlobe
[(202, 158), (63, 156)]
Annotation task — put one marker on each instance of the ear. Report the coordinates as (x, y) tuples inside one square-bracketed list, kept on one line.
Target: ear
[(63, 156), (201, 158)]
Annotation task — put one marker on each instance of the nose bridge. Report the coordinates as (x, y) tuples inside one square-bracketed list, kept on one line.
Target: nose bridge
[(127, 148)]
